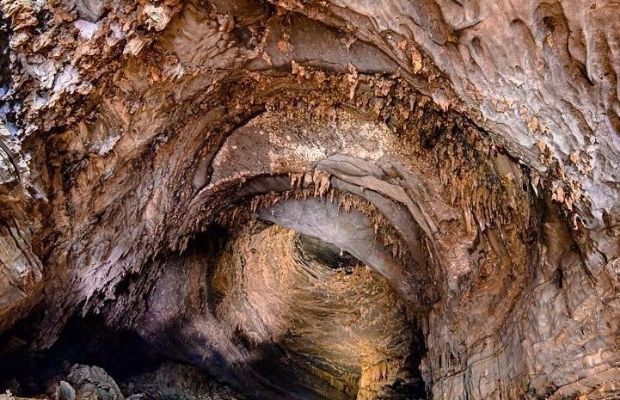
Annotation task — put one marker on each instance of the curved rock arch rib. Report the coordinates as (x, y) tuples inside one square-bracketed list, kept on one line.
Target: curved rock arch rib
[(150, 147)]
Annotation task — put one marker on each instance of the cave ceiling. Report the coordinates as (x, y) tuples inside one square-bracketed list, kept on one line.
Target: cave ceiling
[(339, 199)]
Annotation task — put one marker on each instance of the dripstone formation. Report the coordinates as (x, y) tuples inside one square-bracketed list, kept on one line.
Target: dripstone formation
[(299, 199)]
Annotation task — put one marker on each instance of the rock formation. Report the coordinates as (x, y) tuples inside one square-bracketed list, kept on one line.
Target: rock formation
[(335, 199)]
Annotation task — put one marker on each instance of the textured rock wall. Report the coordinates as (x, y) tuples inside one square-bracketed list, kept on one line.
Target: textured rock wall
[(115, 155)]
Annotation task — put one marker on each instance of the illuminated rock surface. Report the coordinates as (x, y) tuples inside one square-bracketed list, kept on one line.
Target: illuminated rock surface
[(310, 199)]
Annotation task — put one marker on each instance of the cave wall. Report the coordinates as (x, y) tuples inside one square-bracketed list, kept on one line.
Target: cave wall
[(114, 113)]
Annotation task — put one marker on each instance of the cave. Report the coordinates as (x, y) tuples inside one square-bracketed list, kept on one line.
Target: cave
[(312, 200)]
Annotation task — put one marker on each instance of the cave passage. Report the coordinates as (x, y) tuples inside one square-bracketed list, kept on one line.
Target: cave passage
[(309, 200), (310, 319), (319, 323)]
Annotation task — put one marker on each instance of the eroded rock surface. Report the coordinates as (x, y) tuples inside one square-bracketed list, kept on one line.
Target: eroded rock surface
[(160, 161)]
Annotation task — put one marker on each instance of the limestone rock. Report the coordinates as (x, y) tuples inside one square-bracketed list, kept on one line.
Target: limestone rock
[(466, 153)]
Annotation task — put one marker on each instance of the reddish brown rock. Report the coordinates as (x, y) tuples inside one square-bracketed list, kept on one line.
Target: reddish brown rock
[(465, 154)]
